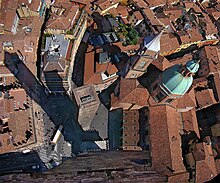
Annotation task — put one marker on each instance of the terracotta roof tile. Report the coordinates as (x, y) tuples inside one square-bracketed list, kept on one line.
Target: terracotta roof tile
[(63, 22), (89, 65), (182, 60), (131, 92), (126, 86), (93, 70), (151, 16), (20, 98), (104, 4), (205, 98), (5, 142), (141, 3), (217, 163), (216, 15), (200, 82), (138, 96), (165, 139), (182, 177), (217, 84), (6, 106), (138, 15), (193, 5), (213, 58), (173, 13), (206, 168), (168, 42), (161, 63), (187, 101), (190, 121), (210, 27)]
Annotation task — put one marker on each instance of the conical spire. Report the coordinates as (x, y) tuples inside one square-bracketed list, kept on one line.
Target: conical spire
[(154, 44)]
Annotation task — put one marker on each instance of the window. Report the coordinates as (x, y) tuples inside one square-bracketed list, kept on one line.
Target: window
[(160, 96), (134, 75), (155, 86), (142, 64), (169, 100), (86, 98)]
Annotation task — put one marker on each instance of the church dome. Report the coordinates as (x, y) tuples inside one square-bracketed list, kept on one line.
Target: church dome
[(175, 81)]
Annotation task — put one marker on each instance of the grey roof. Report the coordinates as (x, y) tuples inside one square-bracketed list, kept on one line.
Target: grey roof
[(57, 45), (111, 37), (103, 57)]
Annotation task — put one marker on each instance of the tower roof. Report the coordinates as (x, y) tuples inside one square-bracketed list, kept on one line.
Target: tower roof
[(153, 44), (192, 66)]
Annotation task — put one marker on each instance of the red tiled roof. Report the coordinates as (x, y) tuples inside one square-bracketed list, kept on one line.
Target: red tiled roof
[(210, 27), (93, 70), (130, 88), (131, 92), (200, 82), (190, 36), (104, 4), (141, 3), (187, 101), (168, 42), (217, 163), (6, 106), (63, 22), (138, 15), (138, 96), (173, 13), (5, 142), (161, 63), (216, 15), (19, 98), (165, 139), (190, 122), (150, 15), (89, 65), (181, 177), (193, 5), (206, 168), (217, 84), (213, 58), (205, 98)]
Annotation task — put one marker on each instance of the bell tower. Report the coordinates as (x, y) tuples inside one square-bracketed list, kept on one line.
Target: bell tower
[(138, 63)]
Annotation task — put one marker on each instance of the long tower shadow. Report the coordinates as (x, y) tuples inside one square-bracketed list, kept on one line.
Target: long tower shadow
[(60, 109)]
